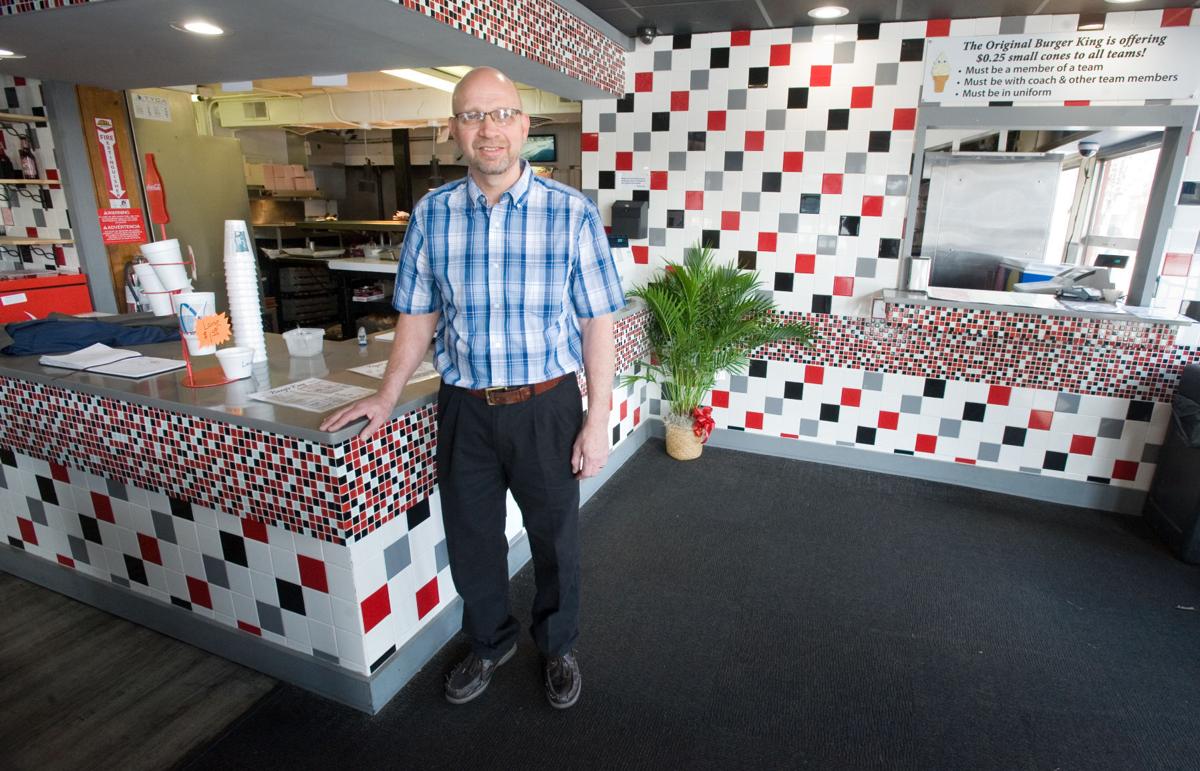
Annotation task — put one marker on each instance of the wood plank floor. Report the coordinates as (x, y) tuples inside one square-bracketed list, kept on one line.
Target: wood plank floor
[(80, 688)]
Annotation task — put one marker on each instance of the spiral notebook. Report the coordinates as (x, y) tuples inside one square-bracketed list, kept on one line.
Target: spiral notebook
[(103, 360)]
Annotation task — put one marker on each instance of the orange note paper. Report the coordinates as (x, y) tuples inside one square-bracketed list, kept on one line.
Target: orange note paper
[(212, 330)]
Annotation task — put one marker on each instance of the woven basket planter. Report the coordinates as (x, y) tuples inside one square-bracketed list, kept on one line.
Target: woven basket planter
[(682, 442)]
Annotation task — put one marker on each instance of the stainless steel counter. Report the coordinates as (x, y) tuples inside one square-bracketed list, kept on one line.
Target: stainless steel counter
[(232, 403)]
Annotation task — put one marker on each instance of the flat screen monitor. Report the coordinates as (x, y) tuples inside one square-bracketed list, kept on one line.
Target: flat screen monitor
[(540, 148)]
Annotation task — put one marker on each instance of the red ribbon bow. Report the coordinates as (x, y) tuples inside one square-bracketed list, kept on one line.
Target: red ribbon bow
[(702, 423)]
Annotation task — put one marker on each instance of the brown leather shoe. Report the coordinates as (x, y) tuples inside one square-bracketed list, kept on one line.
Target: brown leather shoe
[(563, 681), (471, 677)]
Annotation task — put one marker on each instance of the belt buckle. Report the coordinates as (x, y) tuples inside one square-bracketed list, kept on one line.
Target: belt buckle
[(487, 394)]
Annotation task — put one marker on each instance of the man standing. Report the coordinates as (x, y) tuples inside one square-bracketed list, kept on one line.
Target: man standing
[(512, 275)]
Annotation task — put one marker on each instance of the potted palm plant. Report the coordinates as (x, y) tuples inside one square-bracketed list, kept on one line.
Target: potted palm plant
[(705, 319)]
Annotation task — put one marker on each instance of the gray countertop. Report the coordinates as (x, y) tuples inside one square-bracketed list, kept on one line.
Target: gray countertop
[(231, 403), (1080, 310)]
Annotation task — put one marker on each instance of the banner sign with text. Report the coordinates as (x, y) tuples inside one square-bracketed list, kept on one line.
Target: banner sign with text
[(1103, 66)]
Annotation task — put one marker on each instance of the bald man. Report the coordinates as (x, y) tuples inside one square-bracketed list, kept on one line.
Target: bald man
[(511, 274)]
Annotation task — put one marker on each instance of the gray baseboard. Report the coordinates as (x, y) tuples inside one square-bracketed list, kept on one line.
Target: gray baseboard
[(1091, 495)]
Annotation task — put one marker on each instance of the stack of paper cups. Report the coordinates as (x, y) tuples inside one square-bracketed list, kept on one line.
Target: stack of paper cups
[(167, 260), (191, 306), (241, 282), (158, 297)]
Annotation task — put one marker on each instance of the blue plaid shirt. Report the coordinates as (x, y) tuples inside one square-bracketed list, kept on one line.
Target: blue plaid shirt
[(511, 280)]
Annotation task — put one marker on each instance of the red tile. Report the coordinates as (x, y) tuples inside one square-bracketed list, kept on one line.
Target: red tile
[(624, 409), (904, 119), (999, 394), (65, 560), (28, 533), (1041, 419), (716, 120), (254, 529), (427, 598), (831, 183), (820, 75), (888, 420), (1083, 445), (679, 101), (806, 263), (1176, 17), (843, 286), (766, 242), (641, 255), (1125, 469), (624, 161), (251, 628), (59, 472), (199, 593), (851, 397), (148, 545), (312, 573), (103, 507), (637, 416), (658, 180), (739, 37), (793, 161), (862, 96), (968, 461), (720, 399), (937, 28), (1176, 263), (1077, 102), (730, 220), (814, 374), (754, 140), (643, 81), (872, 206), (926, 443), (376, 608), (754, 420), (781, 55), (693, 200), (589, 142)]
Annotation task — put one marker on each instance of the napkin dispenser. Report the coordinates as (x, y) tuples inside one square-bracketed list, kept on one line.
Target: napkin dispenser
[(629, 219)]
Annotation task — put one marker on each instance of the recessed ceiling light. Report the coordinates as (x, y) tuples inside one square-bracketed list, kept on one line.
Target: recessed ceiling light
[(199, 27), (1091, 26), (422, 78), (5, 52), (1122, 2), (828, 12)]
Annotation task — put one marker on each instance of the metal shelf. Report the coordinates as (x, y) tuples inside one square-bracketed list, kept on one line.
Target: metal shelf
[(17, 241), (12, 117), (390, 226), (44, 182)]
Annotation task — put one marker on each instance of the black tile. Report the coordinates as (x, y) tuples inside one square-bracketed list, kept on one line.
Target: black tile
[(46, 490), (710, 238), (681, 42), (974, 411), (868, 30), (181, 509), (772, 181), (1101, 480), (935, 388), (747, 260), (377, 663), (879, 142), (640, 195), (8, 457), (797, 98), (290, 596), (417, 514), (1138, 410), (912, 49), (674, 218), (733, 160), (616, 434), (697, 140), (822, 303), (660, 121), (904, 452), (1055, 461), (810, 203), (839, 120), (1014, 436), (793, 390), (16, 543), (758, 77), (718, 59), (136, 570), (865, 435), (784, 282), (848, 225), (180, 602), (889, 248), (608, 180), (90, 528), (1007, 103), (625, 103), (830, 412), (233, 549), (758, 368)]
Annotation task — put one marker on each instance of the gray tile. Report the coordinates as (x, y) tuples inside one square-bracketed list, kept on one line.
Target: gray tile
[(826, 244), (713, 180), (397, 557), (1067, 403), (658, 236), (37, 510), (662, 61), (737, 99), (950, 427), (164, 526), (441, 556), (699, 80), (655, 407), (872, 381), (641, 141), (856, 163), (677, 161), (843, 53), (592, 195), (773, 406), (886, 73), (738, 383), (802, 34), (750, 201), (910, 404), (116, 489), (897, 184), (1110, 428), (79, 551), (864, 267), (320, 654), (776, 120), (814, 141), (269, 617), (1029, 469), (608, 122), (988, 452), (215, 571), (809, 427), (3, 479), (39, 218), (789, 222), (1012, 25), (119, 580)]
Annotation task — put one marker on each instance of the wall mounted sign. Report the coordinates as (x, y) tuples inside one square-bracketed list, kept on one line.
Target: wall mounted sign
[(628, 180), (150, 107), (114, 178), (122, 226), (1102, 66)]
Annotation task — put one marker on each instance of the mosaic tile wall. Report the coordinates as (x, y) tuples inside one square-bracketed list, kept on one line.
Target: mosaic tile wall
[(13, 7), (26, 211)]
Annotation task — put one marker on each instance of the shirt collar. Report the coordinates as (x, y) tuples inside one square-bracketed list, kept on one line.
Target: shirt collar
[(517, 192)]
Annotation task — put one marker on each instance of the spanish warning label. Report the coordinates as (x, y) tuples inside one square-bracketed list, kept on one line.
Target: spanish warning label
[(1101, 66)]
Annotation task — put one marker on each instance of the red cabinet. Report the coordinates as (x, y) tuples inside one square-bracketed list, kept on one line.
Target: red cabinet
[(36, 297)]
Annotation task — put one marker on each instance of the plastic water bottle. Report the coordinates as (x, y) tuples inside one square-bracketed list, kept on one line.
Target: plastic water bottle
[(362, 335)]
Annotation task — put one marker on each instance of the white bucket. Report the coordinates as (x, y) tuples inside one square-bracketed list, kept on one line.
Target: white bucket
[(167, 260)]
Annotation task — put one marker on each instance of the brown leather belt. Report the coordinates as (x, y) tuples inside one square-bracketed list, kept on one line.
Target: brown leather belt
[(499, 395)]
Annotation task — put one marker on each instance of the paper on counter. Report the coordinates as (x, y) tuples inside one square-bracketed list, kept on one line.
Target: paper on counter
[(990, 297), (386, 337), (424, 371), (103, 360), (312, 395)]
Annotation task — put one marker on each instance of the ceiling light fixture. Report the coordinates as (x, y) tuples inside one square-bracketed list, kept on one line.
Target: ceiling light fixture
[(5, 52), (828, 12), (1122, 2), (422, 79), (199, 27)]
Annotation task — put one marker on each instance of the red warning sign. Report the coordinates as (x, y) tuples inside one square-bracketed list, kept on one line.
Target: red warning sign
[(122, 226)]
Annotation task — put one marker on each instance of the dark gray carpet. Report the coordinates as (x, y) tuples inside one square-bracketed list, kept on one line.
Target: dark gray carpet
[(748, 611)]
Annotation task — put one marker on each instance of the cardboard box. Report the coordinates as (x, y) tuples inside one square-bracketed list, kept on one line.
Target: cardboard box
[(255, 174)]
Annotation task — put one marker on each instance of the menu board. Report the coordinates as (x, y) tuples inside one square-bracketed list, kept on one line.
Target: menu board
[(1102, 66)]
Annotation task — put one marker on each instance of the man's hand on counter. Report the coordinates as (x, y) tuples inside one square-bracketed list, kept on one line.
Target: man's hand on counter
[(376, 408)]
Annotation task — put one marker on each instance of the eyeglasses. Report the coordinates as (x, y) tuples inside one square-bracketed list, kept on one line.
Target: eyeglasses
[(501, 117)]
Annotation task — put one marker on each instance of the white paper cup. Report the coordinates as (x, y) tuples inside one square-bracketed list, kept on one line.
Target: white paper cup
[(237, 239), (160, 252), (236, 362), (190, 306), (156, 295)]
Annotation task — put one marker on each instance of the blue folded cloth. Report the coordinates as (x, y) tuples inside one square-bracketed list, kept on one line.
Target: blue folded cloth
[(63, 336)]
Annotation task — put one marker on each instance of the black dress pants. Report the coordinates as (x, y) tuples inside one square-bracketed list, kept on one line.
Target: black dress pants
[(483, 451)]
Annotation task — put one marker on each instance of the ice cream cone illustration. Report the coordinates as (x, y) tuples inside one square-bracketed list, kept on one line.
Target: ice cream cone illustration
[(941, 73)]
